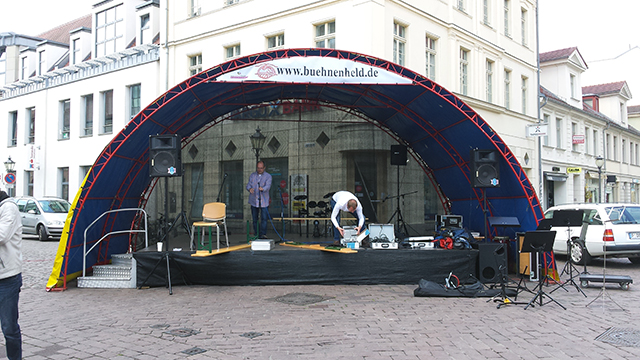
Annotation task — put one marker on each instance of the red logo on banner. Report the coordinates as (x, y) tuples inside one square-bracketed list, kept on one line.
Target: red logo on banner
[(283, 184), (358, 188), (266, 71), (285, 198)]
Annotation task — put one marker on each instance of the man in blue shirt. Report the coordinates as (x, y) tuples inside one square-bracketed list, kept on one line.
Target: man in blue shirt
[(258, 187)]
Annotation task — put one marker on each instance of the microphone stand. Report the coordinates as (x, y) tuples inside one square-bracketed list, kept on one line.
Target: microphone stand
[(281, 211), (221, 187)]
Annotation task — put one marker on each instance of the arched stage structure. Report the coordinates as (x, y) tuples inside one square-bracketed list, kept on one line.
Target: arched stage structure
[(439, 129)]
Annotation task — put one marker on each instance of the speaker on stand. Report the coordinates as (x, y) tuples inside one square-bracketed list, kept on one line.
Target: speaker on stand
[(485, 173), (165, 160), (399, 158)]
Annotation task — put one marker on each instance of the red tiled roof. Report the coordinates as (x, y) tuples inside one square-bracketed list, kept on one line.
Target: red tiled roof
[(557, 54), (61, 33), (604, 89), (633, 109)]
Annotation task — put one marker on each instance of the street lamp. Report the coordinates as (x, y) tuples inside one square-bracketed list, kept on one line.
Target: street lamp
[(599, 164), (9, 165), (257, 142)]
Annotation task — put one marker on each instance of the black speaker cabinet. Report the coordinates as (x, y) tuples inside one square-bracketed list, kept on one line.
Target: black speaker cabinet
[(398, 155), (491, 260), (165, 157), (485, 168)]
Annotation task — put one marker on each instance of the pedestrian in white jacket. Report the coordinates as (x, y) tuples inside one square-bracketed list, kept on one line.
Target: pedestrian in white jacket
[(10, 274)]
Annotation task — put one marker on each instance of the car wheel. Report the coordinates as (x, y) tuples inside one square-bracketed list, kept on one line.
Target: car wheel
[(42, 233), (635, 260), (579, 254)]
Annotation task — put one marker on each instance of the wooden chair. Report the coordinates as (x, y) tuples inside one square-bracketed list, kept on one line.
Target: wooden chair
[(214, 214)]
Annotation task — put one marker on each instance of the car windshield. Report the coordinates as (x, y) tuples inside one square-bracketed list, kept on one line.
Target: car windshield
[(625, 214), (54, 206)]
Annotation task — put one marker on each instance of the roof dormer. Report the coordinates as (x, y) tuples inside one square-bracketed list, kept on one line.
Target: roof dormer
[(561, 73)]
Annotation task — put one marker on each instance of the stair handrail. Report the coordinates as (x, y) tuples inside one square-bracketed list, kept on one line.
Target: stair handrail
[(84, 245)]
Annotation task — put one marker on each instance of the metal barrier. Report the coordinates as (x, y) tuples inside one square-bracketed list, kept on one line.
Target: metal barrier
[(84, 245)]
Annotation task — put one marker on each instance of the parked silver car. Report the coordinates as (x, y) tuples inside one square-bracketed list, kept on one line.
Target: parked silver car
[(611, 227), (44, 217)]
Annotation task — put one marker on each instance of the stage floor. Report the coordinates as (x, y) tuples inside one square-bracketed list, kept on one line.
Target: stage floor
[(295, 266)]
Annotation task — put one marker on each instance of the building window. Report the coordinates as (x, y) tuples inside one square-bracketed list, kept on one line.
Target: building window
[(63, 183), (42, 66), (107, 111), (144, 26), (76, 52), (134, 100), (572, 85), (326, 35), (110, 31), (460, 5), (28, 183), (507, 5), (195, 64), (31, 125), (607, 146), (615, 148), (485, 12), (587, 140), (276, 41), (194, 7), (84, 170), (399, 42), (637, 154), (623, 114), (65, 120), (87, 103), (574, 132), (547, 121), (489, 81), (464, 66), (3, 67), (523, 26), (431, 58), (507, 89), (558, 133), (23, 68), (631, 159), (524, 95), (232, 51), (623, 148), (594, 142), (13, 128)]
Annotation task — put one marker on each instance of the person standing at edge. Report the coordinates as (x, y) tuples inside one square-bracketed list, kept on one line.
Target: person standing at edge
[(258, 187), (345, 201), (10, 274)]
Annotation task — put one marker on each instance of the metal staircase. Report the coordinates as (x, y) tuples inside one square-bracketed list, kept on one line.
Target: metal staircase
[(121, 274)]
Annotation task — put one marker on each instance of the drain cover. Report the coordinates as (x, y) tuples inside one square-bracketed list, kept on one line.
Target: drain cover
[(252, 334), (622, 337), (300, 299), (193, 351), (182, 332)]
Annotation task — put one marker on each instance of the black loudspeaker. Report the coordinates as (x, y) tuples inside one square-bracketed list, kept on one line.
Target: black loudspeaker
[(492, 259), (485, 168), (398, 155), (165, 157)]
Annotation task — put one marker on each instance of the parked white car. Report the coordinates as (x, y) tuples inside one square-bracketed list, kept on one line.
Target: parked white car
[(44, 217), (611, 227)]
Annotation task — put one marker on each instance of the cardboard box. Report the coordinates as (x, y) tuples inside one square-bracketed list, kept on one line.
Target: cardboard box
[(262, 245)]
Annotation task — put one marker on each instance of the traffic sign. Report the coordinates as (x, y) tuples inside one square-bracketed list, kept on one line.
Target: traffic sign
[(10, 178)]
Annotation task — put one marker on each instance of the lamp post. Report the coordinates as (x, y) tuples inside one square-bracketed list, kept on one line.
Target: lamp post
[(10, 165), (599, 164), (257, 142)]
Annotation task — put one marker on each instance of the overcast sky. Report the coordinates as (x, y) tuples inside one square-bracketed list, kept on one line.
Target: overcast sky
[(600, 29)]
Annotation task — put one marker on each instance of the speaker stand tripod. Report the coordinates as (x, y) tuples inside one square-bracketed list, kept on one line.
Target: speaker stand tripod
[(571, 268), (538, 242), (164, 240)]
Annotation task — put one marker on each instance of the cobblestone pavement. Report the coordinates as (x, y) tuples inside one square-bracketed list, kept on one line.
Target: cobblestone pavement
[(353, 322)]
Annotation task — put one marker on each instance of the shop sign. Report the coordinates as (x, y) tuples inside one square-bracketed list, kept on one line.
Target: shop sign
[(574, 170)]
